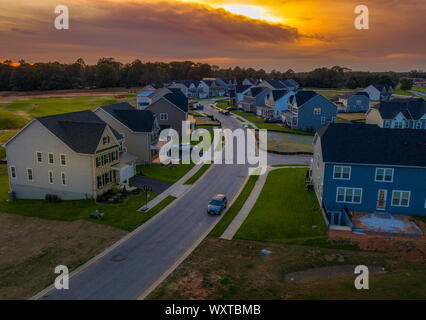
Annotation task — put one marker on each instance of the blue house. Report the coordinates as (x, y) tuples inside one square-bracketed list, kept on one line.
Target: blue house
[(309, 111), (240, 91), (277, 103), (368, 169), (355, 102)]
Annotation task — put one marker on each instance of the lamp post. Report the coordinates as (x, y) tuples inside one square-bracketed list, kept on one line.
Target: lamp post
[(147, 189)]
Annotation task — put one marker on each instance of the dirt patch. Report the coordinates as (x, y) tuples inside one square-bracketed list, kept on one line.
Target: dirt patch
[(327, 273), (30, 249), (23, 114), (405, 248)]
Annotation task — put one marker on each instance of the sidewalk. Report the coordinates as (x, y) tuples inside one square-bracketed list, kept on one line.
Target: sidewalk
[(176, 190)]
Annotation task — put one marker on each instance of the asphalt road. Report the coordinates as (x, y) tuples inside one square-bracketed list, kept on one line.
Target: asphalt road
[(134, 266)]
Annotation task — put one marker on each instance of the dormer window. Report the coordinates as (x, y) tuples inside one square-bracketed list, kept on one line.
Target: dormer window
[(105, 140)]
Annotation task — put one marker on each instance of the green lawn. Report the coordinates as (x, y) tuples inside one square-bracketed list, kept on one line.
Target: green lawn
[(124, 215), (243, 113), (276, 127), (254, 119), (235, 208), (284, 210), (198, 174), (170, 173), (288, 142), (17, 113)]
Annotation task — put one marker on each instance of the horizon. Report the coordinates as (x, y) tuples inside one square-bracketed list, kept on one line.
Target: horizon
[(274, 34)]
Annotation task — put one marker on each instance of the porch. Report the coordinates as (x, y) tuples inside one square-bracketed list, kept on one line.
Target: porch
[(126, 168)]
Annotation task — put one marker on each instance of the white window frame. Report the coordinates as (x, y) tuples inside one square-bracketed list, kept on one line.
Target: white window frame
[(384, 174), (341, 177), (316, 111), (387, 124), (384, 200), (63, 177), (344, 195), (32, 175), (103, 140), (53, 158), (60, 160), (49, 175), (14, 171), (400, 199), (166, 116), (333, 119), (41, 156), (418, 125)]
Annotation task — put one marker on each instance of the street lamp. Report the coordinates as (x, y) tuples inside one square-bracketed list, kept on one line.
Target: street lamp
[(147, 189)]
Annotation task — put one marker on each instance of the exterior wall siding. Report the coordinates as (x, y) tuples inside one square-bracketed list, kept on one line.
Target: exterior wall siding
[(309, 121), (363, 176), (175, 115)]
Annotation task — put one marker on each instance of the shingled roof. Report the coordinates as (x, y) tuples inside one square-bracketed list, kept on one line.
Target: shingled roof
[(81, 131), (412, 109), (370, 144), (277, 94), (241, 88), (135, 120), (177, 98), (303, 96)]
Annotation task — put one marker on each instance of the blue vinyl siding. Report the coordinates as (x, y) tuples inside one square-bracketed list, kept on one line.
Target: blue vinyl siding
[(363, 176), (309, 121)]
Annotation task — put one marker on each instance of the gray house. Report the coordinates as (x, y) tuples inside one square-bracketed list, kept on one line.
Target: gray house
[(309, 111), (139, 129), (399, 113), (379, 92), (354, 102), (255, 98), (73, 156)]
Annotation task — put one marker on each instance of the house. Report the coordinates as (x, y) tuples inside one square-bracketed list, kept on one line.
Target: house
[(73, 156), (399, 113), (240, 91), (278, 102), (170, 109), (290, 84), (309, 111), (255, 99), (148, 96), (227, 84), (379, 92), (250, 82), (139, 129), (360, 168), (214, 89), (188, 87), (354, 102), (272, 84)]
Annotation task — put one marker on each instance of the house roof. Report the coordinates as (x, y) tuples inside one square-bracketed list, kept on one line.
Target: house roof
[(303, 96), (135, 120), (348, 95), (241, 88), (256, 90), (81, 131), (276, 84), (381, 86), (177, 98), (412, 109), (277, 94), (370, 144), (289, 83)]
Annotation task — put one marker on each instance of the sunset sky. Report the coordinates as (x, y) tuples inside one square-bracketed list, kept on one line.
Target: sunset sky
[(269, 34)]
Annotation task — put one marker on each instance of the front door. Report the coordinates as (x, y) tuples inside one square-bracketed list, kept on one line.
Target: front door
[(381, 199)]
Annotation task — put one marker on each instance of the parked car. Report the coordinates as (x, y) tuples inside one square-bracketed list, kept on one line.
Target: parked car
[(200, 107), (217, 204), (272, 120), (226, 113), (221, 111)]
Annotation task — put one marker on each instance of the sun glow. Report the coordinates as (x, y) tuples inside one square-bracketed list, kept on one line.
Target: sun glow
[(253, 12)]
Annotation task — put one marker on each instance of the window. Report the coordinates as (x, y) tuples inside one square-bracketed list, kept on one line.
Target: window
[(384, 174), (387, 124), (322, 120), (63, 178), (105, 140), (50, 174), (317, 110), (63, 160), (39, 157), (418, 125), (164, 116), (13, 172), (51, 159), (398, 124), (342, 173), (100, 182), (406, 124), (30, 174), (333, 119), (348, 195), (400, 198), (98, 161)]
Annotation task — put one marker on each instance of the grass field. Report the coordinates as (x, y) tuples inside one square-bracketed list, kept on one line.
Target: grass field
[(287, 142), (254, 119), (170, 173), (351, 116), (16, 114), (284, 210), (277, 127), (235, 208)]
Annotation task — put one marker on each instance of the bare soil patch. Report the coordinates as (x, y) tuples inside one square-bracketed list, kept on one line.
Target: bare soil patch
[(30, 249)]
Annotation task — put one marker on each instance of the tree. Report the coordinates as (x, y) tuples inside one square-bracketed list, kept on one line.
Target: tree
[(406, 84), (105, 76)]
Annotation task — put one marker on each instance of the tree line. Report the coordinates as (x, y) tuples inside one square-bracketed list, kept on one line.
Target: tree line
[(109, 73)]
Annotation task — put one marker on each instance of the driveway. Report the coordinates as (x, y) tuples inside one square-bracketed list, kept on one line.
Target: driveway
[(158, 186)]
